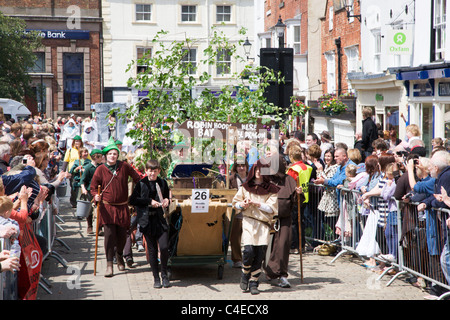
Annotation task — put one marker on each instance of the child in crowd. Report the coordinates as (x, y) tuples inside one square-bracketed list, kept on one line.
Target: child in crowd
[(391, 220)]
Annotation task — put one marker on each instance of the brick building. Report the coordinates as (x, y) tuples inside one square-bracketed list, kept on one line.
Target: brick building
[(340, 55), (341, 37), (67, 76)]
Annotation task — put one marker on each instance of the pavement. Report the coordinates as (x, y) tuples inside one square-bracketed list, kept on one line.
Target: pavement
[(344, 279)]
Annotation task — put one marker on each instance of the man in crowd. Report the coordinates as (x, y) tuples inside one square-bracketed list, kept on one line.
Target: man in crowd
[(439, 169), (369, 131), (343, 161)]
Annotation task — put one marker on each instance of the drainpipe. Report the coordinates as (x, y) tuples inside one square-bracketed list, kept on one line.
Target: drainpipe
[(337, 42)]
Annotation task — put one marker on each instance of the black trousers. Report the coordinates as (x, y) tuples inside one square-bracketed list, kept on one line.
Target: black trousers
[(152, 246), (252, 258), (115, 238)]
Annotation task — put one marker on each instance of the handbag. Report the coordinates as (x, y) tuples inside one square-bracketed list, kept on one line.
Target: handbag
[(31, 262), (368, 245)]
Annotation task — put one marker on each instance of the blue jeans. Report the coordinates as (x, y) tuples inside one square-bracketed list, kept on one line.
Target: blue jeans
[(391, 233), (445, 261)]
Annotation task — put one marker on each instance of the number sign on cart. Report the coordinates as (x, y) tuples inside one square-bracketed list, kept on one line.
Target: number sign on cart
[(200, 200)]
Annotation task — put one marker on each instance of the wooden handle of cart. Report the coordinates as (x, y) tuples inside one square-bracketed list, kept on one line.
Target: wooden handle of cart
[(96, 232)]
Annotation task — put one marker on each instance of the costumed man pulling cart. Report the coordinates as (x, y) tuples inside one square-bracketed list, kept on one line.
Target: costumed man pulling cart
[(112, 200)]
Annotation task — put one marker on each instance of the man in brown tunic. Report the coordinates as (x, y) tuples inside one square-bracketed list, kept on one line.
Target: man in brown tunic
[(114, 216)]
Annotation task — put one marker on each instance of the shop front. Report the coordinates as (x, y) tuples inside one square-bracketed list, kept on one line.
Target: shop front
[(428, 93), (386, 96), (67, 76)]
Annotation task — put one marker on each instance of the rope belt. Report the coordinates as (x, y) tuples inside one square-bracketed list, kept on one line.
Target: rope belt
[(115, 204)]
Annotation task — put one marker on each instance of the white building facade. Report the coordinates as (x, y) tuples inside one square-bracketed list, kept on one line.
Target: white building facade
[(130, 26), (375, 86), (405, 68)]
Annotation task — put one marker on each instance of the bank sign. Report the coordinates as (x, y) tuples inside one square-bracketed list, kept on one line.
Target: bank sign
[(399, 41), (63, 34)]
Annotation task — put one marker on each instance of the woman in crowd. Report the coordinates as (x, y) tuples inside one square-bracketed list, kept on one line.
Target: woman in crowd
[(422, 185), (329, 203), (379, 206)]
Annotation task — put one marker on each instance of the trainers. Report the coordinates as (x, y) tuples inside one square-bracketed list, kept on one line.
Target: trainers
[(157, 284), (165, 282), (141, 248), (130, 262), (284, 283), (244, 283), (254, 289), (237, 264)]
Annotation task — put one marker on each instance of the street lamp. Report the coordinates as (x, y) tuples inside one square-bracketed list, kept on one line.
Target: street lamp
[(348, 4), (247, 46), (279, 29)]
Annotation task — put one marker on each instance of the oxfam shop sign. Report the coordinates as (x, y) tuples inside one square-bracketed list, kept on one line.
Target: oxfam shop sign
[(399, 42)]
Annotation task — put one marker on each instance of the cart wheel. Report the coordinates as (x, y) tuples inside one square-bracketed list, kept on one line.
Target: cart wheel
[(220, 272), (169, 273)]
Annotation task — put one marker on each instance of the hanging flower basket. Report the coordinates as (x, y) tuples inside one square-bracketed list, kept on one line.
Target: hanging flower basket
[(332, 106), (299, 108)]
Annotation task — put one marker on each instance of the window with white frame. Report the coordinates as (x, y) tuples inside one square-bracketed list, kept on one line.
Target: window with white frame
[(331, 72), (143, 12), (190, 60), (330, 17), (188, 13), (223, 63), (440, 6), (223, 13), (376, 50), (352, 58), (141, 53), (297, 40)]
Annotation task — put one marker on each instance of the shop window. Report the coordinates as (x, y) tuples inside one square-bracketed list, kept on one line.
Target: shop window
[(427, 125), (447, 121), (73, 73), (392, 119)]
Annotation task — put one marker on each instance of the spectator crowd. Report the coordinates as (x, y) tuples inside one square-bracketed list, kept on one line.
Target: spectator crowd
[(39, 155)]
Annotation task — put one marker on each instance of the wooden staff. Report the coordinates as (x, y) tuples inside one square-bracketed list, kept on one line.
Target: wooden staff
[(96, 232), (300, 231)]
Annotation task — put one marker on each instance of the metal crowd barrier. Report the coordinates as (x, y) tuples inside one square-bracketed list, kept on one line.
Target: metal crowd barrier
[(8, 280), (419, 241), (45, 227)]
